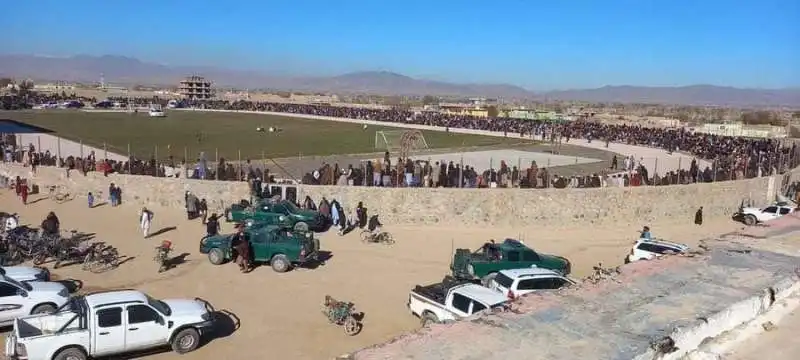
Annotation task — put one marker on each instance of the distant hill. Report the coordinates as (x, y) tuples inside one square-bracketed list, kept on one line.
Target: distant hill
[(126, 70), (120, 69)]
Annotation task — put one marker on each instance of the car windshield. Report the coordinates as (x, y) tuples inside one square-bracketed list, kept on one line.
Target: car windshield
[(504, 280), (159, 305), (18, 284), (291, 207)]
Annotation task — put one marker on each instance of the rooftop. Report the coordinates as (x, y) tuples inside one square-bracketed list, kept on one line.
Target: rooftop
[(114, 296), (515, 273)]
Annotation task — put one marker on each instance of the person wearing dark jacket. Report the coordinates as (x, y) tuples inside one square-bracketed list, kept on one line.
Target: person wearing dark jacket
[(212, 225), (361, 213), (698, 216), (51, 226)]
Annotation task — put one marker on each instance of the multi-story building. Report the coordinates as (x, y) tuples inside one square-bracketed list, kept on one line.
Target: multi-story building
[(196, 88)]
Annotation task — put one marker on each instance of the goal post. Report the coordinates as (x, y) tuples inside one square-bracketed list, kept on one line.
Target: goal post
[(395, 140)]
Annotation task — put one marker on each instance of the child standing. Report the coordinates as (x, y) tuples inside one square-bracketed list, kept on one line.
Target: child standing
[(90, 198)]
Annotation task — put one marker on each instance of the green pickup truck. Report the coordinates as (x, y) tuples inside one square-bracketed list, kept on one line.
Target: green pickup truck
[(281, 247), (278, 213), (484, 263)]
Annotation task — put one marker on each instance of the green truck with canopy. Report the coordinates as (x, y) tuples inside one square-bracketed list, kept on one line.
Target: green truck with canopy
[(276, 212), (484, 263), (280, 246)]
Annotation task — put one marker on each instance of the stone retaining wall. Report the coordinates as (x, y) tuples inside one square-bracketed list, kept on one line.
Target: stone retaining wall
[(454, 207)]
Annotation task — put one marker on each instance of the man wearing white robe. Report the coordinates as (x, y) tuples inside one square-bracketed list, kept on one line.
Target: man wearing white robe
[(145, 219)]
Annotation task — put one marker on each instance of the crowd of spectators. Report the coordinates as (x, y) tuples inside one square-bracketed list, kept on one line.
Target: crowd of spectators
[(732, 157)]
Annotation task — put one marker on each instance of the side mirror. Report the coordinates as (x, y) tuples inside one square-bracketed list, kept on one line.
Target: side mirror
[(160, 320), (170, 324)]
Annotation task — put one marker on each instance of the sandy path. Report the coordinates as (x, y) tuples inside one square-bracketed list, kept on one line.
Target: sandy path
[(280, 312)]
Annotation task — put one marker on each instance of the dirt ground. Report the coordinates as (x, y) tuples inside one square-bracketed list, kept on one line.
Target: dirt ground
[(280, 313)]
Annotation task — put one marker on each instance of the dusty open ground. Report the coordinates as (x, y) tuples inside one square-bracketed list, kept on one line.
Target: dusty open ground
[(280, 312)]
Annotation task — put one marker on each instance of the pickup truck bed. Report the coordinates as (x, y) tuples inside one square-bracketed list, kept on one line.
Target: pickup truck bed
[(437, 292), (48, 324)]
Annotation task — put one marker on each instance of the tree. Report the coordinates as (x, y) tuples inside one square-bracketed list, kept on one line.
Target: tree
[(430, 100), (492, 111), (25, 86)]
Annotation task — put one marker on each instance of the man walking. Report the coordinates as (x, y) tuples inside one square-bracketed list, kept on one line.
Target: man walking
[(145, 219)]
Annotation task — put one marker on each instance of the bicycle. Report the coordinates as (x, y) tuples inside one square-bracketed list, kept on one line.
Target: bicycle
[(383, 237), (57, 194), (101, 259)]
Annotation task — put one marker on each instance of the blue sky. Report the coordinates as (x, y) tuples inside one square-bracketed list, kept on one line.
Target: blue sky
[(540, 45)]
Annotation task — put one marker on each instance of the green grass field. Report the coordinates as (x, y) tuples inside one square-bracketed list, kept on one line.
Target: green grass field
[(224, 133)]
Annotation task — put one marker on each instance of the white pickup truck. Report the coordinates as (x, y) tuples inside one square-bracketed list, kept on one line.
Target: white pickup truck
[(109, 323), (753, 215), (25, 298), (452, 300)]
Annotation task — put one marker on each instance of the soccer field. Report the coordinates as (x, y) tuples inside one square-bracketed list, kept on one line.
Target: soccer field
[(226, 134)]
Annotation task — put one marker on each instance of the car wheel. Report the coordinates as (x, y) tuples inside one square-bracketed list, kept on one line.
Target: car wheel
[(301, 226), (750, 220), (216, 256), (70, 354), (43, 309), (428, 318), (186, 341), (280, 263)]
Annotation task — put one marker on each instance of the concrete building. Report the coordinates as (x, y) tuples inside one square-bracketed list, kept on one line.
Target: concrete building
[(463, 109), (740, 129), (196, 88)]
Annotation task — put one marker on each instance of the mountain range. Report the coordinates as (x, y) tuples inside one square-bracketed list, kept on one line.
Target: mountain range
[(128, 71)]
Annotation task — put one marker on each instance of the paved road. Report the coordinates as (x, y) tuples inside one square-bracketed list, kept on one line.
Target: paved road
[(779, 344)]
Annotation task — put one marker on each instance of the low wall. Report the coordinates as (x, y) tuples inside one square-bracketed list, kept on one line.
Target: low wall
[(457, 207)]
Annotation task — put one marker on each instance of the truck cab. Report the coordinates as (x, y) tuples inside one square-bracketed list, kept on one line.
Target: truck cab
[(484, 263), (109, 323), (280, 246), (451, 300)]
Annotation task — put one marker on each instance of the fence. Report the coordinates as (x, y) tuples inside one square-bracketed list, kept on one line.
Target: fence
[(468, 169)]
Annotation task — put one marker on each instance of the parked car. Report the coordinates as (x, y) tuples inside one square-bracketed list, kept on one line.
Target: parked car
[(282, 212), (107, 324), (484, 263), (280, 246), (25, 273), (25, 298), (647, 249), (517, 282), (753, 215), (451, 300)]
